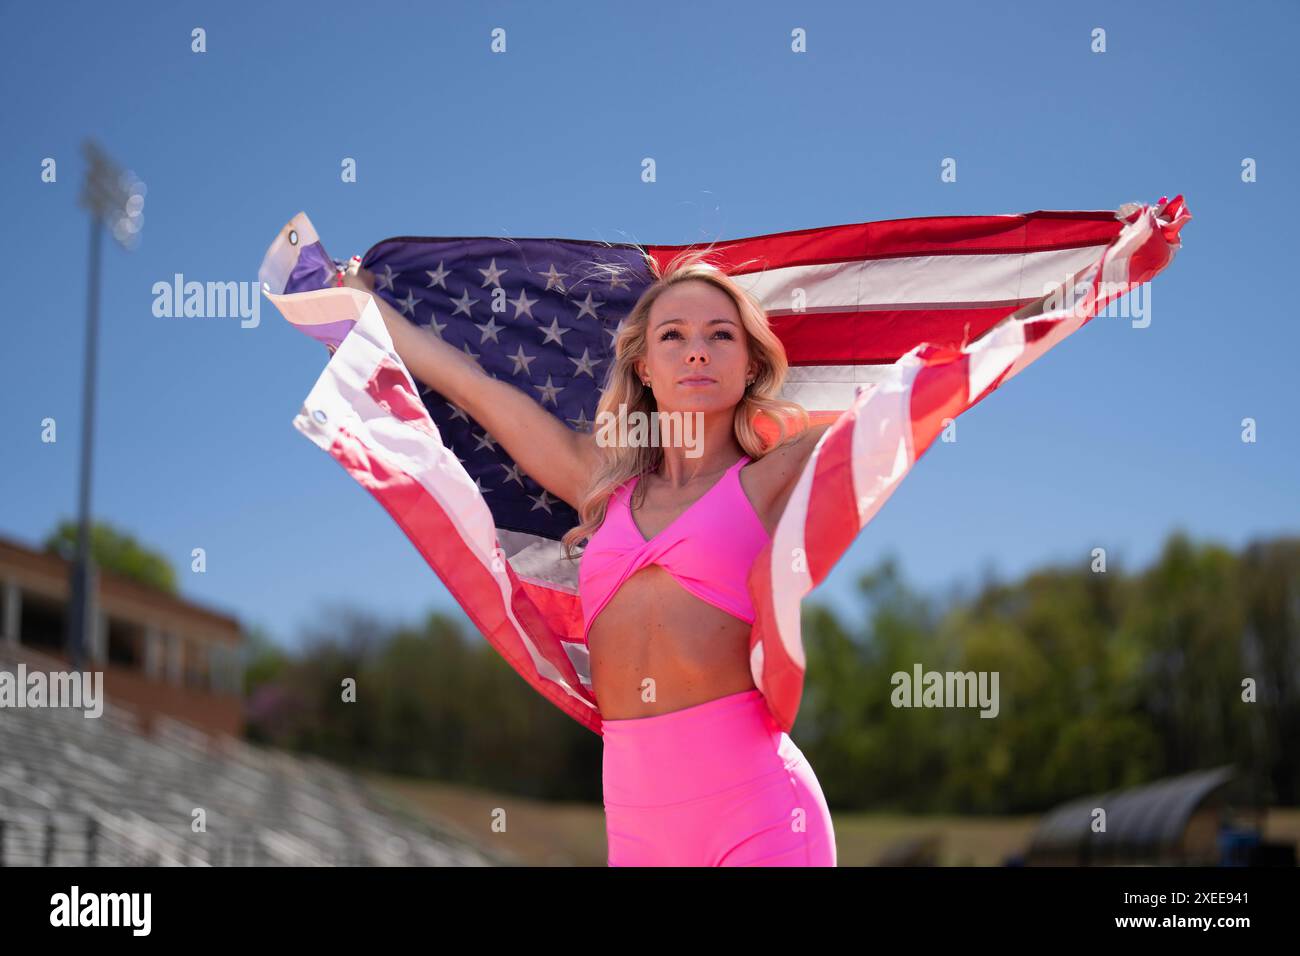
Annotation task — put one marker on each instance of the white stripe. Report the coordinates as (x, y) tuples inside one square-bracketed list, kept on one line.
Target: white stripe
[(827, 388), (1132, 237), (539, 561), (882, 440), (303, 309), (880, 283), (340, 398), (1061, 323), (992, 353), (882, 454)]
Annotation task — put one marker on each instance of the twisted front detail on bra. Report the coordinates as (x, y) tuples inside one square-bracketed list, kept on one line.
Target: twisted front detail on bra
[(708, 549)]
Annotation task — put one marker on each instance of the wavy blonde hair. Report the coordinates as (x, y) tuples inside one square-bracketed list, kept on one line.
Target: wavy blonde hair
[(623, 388)]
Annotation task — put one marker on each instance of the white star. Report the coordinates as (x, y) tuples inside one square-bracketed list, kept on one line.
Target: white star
[(434, 326), (438, 278), (521, 361), (553, 279), (542, 501), (458, 412), (408, 304), (492, 275), (549, 391), (512, 474), (582, 422), (589, 308), (524, 304), (616, 283), (553, 333), (386, 280), (473, 355), (585, 364), (484, 441), (490, 329), (481, 489), (464, 304)]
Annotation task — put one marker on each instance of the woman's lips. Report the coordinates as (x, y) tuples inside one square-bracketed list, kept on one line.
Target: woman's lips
[(697, 380)]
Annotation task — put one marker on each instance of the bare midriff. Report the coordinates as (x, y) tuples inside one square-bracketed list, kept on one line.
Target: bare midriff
[(656, 648)]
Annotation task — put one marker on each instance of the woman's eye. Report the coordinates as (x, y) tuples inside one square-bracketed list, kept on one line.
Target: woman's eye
[(664, 337)]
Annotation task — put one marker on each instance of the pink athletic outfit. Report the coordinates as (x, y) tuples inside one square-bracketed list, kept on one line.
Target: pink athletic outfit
[(717, 784)]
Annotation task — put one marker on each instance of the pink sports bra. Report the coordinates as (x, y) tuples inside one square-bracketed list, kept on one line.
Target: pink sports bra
[(708, 548)]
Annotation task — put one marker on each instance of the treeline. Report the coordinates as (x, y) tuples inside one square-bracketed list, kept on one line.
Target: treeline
[(1105, 679)]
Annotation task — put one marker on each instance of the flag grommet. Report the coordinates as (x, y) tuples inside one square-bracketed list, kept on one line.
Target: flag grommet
[(319, 416), (293, 237)]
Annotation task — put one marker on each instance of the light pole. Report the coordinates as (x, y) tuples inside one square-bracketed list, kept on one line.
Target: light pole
[(115, 199)]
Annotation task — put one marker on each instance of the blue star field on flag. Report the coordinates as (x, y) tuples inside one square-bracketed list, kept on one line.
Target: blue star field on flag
[(538, 313)]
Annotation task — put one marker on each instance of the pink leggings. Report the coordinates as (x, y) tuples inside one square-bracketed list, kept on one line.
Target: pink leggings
[(717, 784)]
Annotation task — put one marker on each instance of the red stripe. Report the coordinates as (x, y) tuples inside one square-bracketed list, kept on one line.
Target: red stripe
[(1176, 215), (832, 524), (388, 389), (1037, 330), (880, 336), (923, 236), (472, 585), (940, 390), (1149, 258), (561, 609), (831, 529)]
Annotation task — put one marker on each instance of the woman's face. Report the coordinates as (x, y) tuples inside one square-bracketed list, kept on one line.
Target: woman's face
[(697, 351)]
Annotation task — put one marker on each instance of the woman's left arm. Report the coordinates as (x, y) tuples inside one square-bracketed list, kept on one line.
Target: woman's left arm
[(770, 481)]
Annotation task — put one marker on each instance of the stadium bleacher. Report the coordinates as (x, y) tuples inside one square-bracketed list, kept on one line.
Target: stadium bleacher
[(97, 791)]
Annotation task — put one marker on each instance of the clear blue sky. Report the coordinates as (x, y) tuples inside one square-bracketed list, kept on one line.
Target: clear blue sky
[(1114, 439)]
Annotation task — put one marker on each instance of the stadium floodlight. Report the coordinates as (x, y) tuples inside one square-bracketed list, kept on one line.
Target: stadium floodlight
[(115, 199), (113, 195)]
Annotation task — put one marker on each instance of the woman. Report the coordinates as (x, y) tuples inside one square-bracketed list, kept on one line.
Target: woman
[(696, 772)]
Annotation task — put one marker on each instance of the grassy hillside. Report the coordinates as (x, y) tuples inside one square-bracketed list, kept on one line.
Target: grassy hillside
[(573, 834)]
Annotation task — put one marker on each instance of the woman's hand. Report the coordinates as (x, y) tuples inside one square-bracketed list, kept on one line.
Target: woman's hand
[(358, 278), (554, 455)]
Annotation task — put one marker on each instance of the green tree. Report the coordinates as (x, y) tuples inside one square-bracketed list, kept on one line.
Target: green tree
[(117, 551), (1106, 680)]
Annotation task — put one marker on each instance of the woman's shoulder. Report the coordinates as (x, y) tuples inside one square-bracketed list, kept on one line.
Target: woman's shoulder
[(768, 478)]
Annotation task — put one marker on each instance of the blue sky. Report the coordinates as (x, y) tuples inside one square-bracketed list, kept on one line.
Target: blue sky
[(1112, 440)]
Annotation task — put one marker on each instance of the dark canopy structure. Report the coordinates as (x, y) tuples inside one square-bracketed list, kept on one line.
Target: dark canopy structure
[(1170, 822)]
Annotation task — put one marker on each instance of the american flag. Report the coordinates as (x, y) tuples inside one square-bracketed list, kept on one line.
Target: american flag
[(891, 328)]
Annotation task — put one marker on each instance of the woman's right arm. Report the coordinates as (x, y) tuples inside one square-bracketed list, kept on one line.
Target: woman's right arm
[(559, 458)]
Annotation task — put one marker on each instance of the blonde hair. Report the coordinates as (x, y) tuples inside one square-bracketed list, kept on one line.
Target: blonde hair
[(624, 388)]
